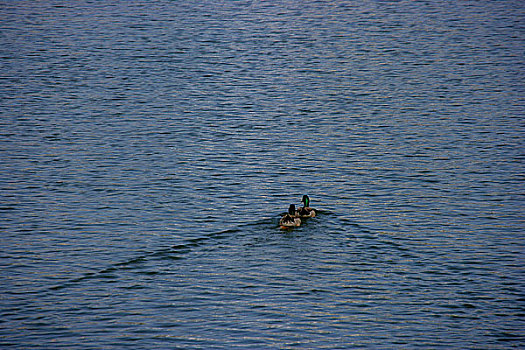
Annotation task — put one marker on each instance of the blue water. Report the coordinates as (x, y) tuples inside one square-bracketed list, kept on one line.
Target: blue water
[(148, 149)]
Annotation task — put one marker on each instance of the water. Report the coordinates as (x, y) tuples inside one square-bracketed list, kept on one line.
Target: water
[(149, 148)]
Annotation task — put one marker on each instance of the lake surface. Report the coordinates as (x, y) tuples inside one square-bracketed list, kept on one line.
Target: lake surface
[(148, 149)]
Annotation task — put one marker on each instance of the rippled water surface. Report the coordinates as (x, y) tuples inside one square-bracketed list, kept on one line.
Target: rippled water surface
[(148, 149)]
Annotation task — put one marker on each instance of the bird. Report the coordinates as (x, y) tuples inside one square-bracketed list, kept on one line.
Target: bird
[(305, 211), (290, 219)]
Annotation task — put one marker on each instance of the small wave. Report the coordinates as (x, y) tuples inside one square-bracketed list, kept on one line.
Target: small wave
[(257, 228), (174, 252)]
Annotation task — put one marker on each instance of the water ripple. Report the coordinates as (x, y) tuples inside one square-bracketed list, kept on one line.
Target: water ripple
[(148, 149)]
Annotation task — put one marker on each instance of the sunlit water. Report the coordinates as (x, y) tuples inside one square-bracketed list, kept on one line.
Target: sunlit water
[(148, 149)]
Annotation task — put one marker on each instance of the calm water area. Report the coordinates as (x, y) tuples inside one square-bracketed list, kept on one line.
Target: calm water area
[(149, 148)]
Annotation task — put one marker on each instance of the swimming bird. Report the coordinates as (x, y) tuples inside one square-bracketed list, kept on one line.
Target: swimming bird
[(290, 219), (306, 211)]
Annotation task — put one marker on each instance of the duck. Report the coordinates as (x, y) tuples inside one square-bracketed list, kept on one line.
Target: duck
[(290, 219), (305, 211)]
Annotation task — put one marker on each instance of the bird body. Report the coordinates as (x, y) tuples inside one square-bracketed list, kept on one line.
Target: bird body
[(305, 211), (290, 219)]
